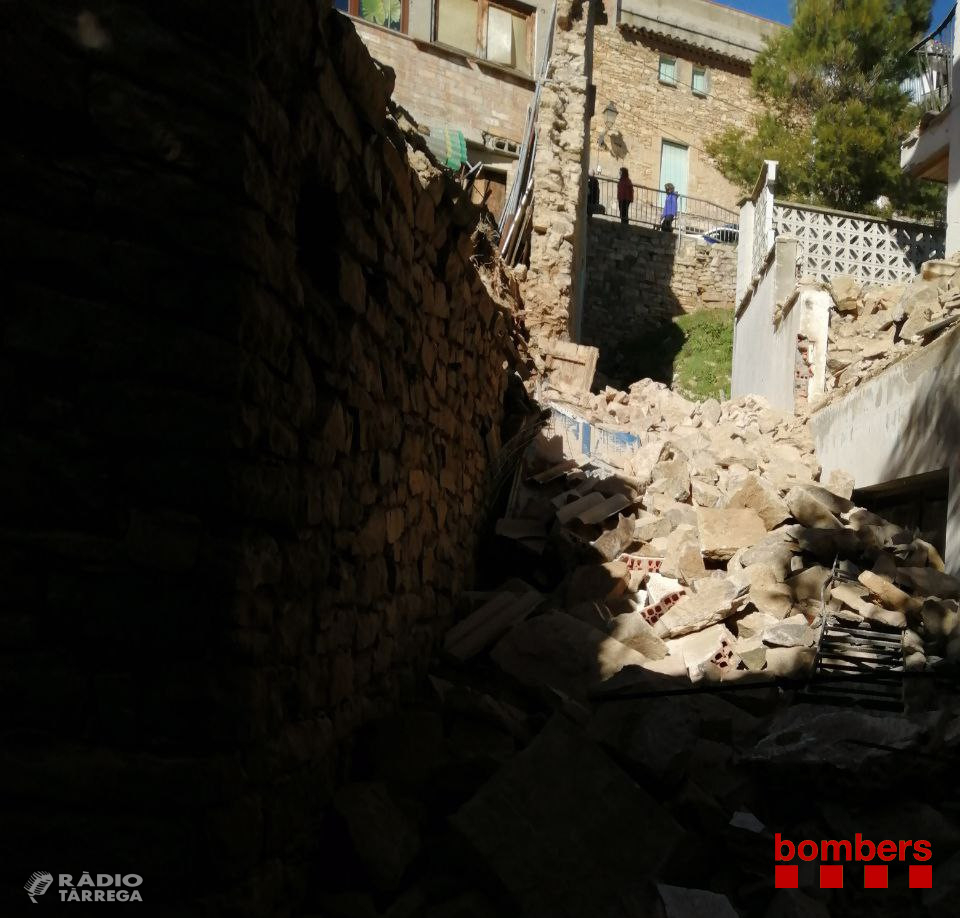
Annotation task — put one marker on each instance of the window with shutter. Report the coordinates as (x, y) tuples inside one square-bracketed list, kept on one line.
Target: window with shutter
[(699, 83), (668, 70)]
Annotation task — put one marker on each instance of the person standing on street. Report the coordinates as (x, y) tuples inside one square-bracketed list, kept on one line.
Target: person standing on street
[(669, 209), (624, 194)]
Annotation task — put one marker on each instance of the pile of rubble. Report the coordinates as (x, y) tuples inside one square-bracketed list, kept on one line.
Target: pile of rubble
[(873, 326), (713, 554), (609, 731)]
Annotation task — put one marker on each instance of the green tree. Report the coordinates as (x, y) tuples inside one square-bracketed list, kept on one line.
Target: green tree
[(834, 113)]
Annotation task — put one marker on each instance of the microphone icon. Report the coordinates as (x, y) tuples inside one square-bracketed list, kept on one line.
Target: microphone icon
[(37, 884)]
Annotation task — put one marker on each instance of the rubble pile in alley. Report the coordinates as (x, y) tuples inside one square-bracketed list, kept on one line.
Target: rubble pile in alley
[(562, 763), (714, 553), (872, 326)]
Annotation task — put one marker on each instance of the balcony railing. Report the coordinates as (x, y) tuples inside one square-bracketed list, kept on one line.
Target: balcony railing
[(694, 215), (930, 85)]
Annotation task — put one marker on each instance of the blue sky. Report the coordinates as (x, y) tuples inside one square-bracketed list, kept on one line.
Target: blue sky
[(779, 10)]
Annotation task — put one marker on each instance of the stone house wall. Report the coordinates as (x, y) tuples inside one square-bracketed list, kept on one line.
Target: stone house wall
[(260, 381), (552, 290), (626, 72), (638, 278), (440, 86)]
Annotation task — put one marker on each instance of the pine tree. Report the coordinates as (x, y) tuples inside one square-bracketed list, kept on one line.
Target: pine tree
[(834, 112)]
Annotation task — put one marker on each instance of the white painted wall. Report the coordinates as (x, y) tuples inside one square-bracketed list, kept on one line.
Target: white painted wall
[(904, 422), (757, 357), (764, 354), (953, 168)]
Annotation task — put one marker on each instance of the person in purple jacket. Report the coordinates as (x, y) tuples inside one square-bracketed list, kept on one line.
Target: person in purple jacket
[(669, 209)]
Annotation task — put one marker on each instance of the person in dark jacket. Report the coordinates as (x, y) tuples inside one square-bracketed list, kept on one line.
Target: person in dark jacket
[(669, 209), (593, 195), (624, 194)]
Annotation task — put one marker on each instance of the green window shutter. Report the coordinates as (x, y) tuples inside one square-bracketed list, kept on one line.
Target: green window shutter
[(699, 84), (668, 70)]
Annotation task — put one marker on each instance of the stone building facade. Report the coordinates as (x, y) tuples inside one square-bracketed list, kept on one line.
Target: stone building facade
[(463, 77), (261, 385), (677, 73)]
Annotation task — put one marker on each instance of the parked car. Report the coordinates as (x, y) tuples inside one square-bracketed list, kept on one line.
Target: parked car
[(729, 232)]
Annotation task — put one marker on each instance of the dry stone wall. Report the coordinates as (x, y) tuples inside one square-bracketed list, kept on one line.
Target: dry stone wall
[(551, 293), (261, 380), (639, 278)]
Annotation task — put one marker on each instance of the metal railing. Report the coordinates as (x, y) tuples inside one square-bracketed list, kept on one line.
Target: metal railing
[(930, 84), (694, 215)]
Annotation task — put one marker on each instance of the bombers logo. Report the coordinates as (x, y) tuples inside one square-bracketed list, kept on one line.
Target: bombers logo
[(860, 850)]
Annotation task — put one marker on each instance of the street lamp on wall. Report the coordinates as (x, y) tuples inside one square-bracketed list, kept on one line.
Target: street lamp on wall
[(609, 118), (610, 115)]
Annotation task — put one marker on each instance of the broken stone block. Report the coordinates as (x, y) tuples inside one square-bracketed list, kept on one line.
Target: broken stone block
[(854, 597), (606, 508), (714, 601), (703, 494), (650, 527), (723, 531), (931, 582), (790, 662), (561, 787), (827, 544), (754, 624), (384, 838), (756, 493), (598, 581), (615, 541), (846, 738), (792, 903), (809, 510), (773, 552), (811, 583), (767, 593), (562, 652), (681, 555), (890, 596), (793, 631), (679, 902), (939, 618), (674, 488), (489, 623), (752, 653), (632, 630), (887, 617), (845, 292), (710, 411), (841, 483)]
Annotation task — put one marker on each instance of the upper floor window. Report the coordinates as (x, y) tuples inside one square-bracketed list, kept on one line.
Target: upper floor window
[(668, 70), (391, 14), (500, 32), (700, 84)]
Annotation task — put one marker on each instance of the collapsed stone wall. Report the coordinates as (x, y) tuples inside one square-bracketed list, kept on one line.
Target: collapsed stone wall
[(557, 246), (639, 278), (261, 382)]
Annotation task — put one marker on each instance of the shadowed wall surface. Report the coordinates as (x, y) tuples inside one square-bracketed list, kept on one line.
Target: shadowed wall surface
[(259, 381)]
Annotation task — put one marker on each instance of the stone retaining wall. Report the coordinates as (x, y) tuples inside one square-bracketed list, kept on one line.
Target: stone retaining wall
[(640, 277), (259, 383)]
